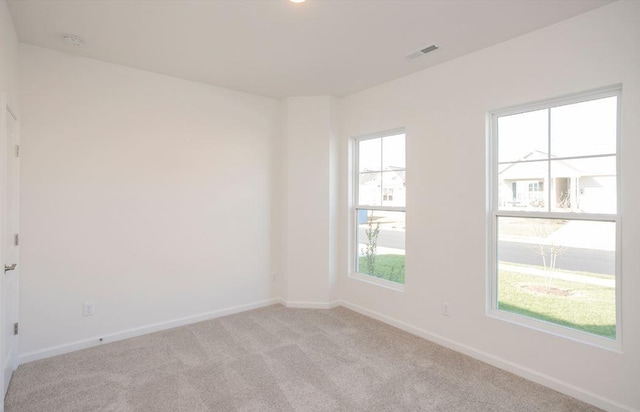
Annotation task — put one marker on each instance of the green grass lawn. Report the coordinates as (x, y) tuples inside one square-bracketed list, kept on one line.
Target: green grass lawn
[(589, 308), (389, 267)]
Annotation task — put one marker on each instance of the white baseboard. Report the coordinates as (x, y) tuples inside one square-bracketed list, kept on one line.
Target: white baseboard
[(143, 330), (310, 305), (529, 374)]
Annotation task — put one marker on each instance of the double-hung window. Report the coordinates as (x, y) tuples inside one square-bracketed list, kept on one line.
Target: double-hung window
[(379, 208), (554, 217)]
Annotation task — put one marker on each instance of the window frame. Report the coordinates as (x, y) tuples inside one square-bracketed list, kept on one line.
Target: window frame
[(493, 213), (355, 207)]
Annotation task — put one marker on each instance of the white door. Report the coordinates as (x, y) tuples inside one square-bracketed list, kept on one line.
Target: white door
[(9, 282)]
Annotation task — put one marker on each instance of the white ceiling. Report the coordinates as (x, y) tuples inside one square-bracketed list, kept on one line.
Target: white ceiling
[(277, 48)]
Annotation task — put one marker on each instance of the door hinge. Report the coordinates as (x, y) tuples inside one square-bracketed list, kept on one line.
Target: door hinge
[(16, 239), (17, 150), (15, 328)]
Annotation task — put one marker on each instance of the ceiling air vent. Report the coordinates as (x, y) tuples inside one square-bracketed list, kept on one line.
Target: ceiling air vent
[(422, 52), (73, 40)]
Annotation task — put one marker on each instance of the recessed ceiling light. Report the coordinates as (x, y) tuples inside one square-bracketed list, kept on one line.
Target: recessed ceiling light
[(73, 40), (297, 1)]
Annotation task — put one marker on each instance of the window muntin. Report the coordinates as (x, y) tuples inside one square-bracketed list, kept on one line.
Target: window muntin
[(569, 157), (379, 197), (554, 215)]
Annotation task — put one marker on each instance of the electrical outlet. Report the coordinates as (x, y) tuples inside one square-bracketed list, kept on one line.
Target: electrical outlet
[(88, 309), (445, 309)]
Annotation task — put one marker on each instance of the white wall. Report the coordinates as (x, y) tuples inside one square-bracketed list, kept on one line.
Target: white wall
[(311, 189), (443, 110), (147, 195)]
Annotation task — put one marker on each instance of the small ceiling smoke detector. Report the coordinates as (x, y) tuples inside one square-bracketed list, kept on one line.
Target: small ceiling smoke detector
[(422, 52), (73, 40)]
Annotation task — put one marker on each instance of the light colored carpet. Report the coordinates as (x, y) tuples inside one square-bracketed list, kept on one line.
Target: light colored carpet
[(276, 359)]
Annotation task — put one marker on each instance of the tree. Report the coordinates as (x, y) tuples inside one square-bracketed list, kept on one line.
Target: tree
[(370, 250), (548, 247)]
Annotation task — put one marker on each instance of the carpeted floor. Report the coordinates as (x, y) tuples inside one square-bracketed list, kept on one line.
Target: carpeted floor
[(276, 359)]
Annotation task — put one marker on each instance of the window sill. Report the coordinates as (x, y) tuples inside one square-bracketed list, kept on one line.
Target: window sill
[(398, 287)]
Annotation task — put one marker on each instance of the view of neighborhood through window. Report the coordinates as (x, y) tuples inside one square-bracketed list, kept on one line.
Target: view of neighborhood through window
[(555, 213), (380, 206)]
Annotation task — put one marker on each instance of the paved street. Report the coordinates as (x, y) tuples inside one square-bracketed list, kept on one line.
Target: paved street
[(577, 259)]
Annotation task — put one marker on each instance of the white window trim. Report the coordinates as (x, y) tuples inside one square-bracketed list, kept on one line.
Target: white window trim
[(493, 213), (354, 207)]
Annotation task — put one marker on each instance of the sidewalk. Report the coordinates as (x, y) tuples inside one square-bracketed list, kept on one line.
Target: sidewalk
[(575, 234)]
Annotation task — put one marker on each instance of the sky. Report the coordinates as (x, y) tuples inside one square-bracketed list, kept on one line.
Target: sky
[(370, 153), (580, 129)]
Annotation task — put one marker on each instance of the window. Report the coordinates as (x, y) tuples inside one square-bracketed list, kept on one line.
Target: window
[(536, 186), (554, 216), (379, 211)]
